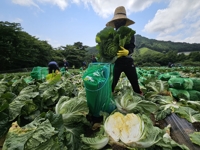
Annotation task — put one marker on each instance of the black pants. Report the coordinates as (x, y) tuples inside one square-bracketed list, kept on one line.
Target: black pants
[(130, 72), (52, 68)]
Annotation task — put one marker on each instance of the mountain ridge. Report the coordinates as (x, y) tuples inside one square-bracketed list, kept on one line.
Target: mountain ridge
[(158, 45)]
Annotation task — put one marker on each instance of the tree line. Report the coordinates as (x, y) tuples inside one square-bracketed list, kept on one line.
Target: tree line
[(163, 59), (18, 49)]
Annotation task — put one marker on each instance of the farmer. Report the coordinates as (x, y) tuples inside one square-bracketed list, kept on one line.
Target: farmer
[(66, 64), (53, 66), (94, 59), (124, 62), (84, 65)]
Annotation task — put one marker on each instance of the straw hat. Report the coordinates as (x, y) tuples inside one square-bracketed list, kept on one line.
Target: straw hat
[(120, 13)]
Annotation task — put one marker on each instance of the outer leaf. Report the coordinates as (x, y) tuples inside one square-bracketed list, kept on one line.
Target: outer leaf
[(194, 137), (97, 142), (37, 135), (72, 110), (188, 113)]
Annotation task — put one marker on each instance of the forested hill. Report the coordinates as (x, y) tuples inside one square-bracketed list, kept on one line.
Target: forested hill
[(160, 46), (165, 46)]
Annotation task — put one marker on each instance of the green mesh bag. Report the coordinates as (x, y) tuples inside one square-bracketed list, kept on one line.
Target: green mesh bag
[(181, 83), (97, 83), (39, 72), (174, 73), (164, 77), (196, 84), (194, 95), (180, 94)]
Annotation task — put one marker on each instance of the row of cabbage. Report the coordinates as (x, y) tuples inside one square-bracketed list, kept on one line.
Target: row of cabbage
[(52, 114)]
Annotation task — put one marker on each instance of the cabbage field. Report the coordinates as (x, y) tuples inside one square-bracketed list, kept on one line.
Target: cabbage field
[(53, 113)]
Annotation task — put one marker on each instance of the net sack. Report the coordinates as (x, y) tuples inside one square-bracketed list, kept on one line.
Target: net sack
[(196, 84), (39, 72), (164, 77), (169, 75), (97, 84), (194, 95), (63, 70), (178, 94), (191, 95), (181, 83)]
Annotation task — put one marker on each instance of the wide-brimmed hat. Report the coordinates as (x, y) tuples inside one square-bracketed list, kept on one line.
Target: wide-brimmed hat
[(120, 13)]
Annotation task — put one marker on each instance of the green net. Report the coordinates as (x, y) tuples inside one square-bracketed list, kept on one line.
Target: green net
[(28, 79), (191, 95), (196, 84), (63, 70), (39, 72), (194, 95), (178, 94), (181, 83), (97, 82), (164, 77)]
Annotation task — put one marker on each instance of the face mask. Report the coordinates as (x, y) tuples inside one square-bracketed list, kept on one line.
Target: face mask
[(119, 23)]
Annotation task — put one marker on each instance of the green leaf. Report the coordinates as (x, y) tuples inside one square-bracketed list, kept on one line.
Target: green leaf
[(72, 109), (194, 137), (188, 113), (97, 142), (38, 135)]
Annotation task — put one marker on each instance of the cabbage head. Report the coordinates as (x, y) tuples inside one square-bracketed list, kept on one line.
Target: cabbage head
[(109, 41), (133, 130)]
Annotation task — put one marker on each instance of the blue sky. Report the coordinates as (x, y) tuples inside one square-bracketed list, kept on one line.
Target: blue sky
[(64, 22)]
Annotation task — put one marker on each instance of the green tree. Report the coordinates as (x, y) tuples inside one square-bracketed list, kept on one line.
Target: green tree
[(19, 49), (194, 56), (74, 56)]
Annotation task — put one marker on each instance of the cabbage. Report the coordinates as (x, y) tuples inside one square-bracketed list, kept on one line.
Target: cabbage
[(132, 129), (194, 137), (97, 142), (130, 102), (37, 135), (109, 41), (73, 110)]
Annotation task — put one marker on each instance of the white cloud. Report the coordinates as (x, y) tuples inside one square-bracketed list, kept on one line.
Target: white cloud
[(180, 18), (103, 8), (18, 20), (60, 3), (25, 2)]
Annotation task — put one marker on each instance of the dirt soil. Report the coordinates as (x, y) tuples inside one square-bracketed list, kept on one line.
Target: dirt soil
[(178, 133), (196, 125)]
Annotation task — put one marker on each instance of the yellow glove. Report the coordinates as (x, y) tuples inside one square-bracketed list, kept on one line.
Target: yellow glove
[(123, 52)]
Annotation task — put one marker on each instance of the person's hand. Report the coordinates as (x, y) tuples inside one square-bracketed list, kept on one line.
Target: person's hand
[(122, 52)]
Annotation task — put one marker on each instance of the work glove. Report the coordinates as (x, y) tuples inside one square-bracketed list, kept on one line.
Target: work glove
[(123, 52)]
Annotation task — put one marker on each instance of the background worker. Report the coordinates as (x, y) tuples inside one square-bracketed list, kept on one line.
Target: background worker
[(66, 64), (53, 66), (124, 62), (84, 65), (94, 59)]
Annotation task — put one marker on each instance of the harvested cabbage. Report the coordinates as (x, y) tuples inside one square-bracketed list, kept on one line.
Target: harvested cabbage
[(109, 41), (131, 129)]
